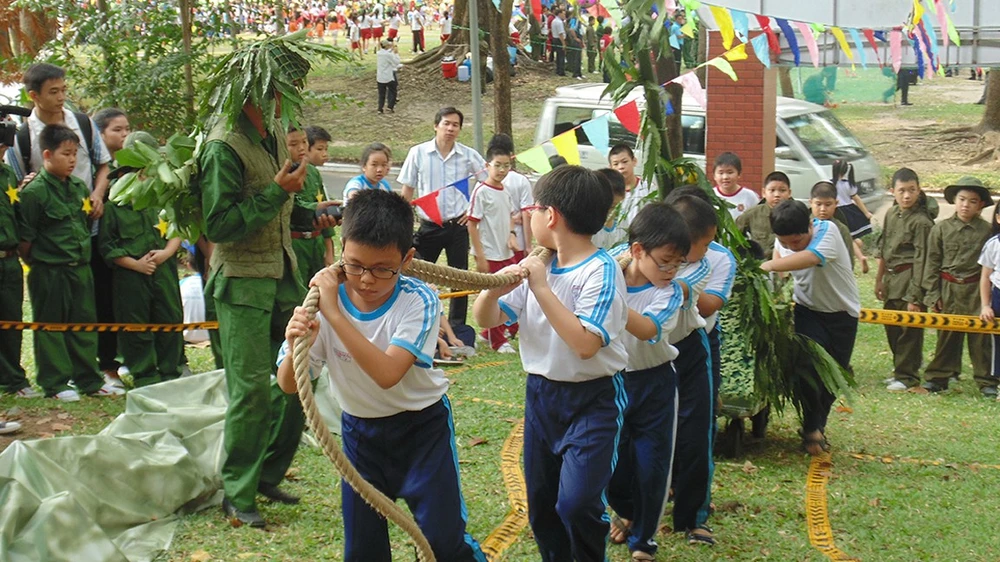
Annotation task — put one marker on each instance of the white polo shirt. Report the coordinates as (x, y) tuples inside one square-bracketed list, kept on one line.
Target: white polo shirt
[(609, 237), (661, 305), (446, 26), (829, 286), (427, 170), (695, 276), (634, 201), (409, 320), (722, 273), (990, 257), (558, 29), (742, 200), (594, 290), (491, 208), (519, 188)]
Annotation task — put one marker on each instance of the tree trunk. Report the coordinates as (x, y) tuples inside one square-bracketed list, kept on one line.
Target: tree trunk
[(666, 70), (991, 115), (186, 13), (654, 112), (456, 45), (785, 79), (702, 72), (499, 39)]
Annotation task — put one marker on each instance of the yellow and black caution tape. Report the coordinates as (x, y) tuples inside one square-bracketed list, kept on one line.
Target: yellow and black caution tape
[(513, 478), (949, 322), (817, 518), (106, 327), (889, 459)]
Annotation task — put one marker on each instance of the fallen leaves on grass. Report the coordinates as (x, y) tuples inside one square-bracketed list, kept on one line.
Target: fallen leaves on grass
[(477, 441), (60, 427), (749, 468), (845, 409), (200, 556)]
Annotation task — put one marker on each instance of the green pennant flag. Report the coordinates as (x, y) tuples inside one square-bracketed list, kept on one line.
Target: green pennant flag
[(536, 159)]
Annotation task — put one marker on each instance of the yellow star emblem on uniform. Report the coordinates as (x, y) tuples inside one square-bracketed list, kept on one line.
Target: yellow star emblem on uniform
[(162, 227), (87, 207), (319, 197), (13, 194)]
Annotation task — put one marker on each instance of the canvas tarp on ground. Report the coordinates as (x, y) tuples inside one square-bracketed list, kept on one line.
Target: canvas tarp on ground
[(118, 495)]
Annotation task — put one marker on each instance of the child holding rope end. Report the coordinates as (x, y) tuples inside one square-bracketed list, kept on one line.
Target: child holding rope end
[(375, 333)]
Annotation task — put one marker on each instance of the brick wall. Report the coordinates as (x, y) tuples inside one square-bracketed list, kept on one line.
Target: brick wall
[(741, 114)]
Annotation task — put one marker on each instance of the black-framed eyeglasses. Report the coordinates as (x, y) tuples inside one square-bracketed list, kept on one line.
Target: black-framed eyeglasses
[(377, 272), (669, 268)]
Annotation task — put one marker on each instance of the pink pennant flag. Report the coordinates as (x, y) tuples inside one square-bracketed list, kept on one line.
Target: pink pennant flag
[(628, 115), (942, 15), (692, 87), (810, 39), (896, 49), (671, 7)]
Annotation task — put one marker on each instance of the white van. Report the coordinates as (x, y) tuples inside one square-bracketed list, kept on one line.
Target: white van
[(809, 138)]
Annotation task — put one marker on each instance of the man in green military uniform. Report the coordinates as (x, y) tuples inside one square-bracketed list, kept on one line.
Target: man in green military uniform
[(313, 248), (144, 271), (951, 284), (901, 250), (12, 377), (247, 199)]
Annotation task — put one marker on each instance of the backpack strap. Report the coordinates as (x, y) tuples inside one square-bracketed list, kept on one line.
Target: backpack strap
[(87, 129), (24, 145)]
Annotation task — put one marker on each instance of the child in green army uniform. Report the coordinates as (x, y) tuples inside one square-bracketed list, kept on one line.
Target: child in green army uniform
[(55, 241), (146, 289), (823, 204), (901, 250), (951, 285), (12, 378), (313, 248), (756, 221)]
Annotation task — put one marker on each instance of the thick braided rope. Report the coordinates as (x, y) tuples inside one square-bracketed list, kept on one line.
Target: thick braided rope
[(428, 272)]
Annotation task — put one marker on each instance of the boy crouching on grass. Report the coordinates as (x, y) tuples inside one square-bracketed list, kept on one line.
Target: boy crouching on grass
[(658, 244), (376, 334), (827, 304), (572, 314)]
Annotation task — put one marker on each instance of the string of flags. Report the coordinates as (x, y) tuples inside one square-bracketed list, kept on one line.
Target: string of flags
[(734, 25)]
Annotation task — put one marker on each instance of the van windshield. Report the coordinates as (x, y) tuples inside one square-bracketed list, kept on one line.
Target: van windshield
[(825, 137)]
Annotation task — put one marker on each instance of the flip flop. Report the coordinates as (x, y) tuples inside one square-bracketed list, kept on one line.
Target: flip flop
[(638, 555), (619, 526), (704, 537), (815, 445)]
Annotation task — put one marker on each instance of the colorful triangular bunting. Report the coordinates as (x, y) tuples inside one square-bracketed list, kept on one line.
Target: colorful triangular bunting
[(566, 146), (628, 115)]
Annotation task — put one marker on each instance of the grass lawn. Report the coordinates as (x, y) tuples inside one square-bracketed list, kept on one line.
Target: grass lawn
[(912, 479)]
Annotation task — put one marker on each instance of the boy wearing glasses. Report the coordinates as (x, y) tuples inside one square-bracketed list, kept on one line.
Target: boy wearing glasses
[(491, 230), (376, 333), (658, 243)]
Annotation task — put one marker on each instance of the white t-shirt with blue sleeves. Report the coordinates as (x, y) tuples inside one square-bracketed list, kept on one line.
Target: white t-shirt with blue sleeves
[(357, 183), (594, 290), (829, 286), (722, 273), (409, 320), (988, 257), (695, 276), (661, 305)]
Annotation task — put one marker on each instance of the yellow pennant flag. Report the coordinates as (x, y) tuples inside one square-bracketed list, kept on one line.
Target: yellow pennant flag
[(918, 13), (536, 159), (839, 34), (723, 65), (725, 22), (738, 52), (566, 147)]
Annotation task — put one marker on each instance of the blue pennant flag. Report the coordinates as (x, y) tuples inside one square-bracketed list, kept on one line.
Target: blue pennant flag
[(741, 24), (462, 186), (669, 107), (597, 133), (860, 46), (793, 42)]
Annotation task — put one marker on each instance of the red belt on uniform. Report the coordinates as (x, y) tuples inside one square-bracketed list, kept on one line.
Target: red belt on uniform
[(963, 281), (307, 235), (901, 268)]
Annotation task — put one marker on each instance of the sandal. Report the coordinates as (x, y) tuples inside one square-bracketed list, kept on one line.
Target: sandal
[(702, 534), (619, 530), (638, 555), (815, 445)]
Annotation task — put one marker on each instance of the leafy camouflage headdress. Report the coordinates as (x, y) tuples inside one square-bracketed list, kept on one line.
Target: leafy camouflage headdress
[(255, 72)]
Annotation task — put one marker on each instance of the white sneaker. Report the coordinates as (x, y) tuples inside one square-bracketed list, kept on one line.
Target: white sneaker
[(113, 381), (506, 348), (123, 370), (109, 390), (896, 386), (68, 396), (889, 380), (9, 427), (28, 392)]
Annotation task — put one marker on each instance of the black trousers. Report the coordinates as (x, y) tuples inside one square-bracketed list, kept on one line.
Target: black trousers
[(453, 238), (559, 49), (418, 40), (383, 89), (835, 332), (107, 342)]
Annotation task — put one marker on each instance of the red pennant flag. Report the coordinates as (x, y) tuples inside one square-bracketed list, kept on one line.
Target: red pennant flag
[(628, 115), (429, 205), (772, 40), (870, 35), (536, 10)]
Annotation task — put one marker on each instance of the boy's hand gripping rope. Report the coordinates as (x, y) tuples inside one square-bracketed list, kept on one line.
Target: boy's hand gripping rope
[(428, 272)]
